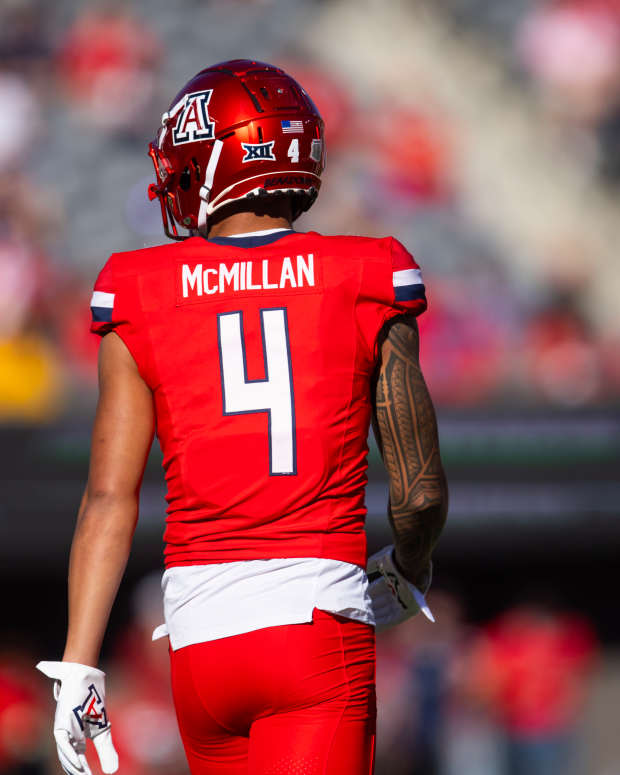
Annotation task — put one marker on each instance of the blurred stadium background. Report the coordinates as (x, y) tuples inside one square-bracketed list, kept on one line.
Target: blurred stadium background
[(485, 134)]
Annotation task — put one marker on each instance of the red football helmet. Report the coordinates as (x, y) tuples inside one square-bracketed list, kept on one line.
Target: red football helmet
[(236, 130)]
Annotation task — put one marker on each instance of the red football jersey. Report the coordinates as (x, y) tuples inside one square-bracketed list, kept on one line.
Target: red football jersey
[(260, 352)]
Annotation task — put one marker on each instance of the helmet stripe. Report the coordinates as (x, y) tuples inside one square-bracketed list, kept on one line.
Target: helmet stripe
[(205, 190)]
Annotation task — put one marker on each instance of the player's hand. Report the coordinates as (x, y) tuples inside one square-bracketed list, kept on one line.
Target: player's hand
[(393, 598), (79, 692)]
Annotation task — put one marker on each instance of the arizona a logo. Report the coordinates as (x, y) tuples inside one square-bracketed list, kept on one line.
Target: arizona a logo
[(193, 122), (92, 710)]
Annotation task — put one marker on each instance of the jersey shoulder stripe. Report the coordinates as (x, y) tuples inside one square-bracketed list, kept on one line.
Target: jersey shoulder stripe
[(407, 282), (408, 285), (102, 306)]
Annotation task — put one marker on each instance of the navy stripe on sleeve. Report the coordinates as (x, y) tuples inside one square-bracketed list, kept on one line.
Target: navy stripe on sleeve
[(409, 292), (101, 314)]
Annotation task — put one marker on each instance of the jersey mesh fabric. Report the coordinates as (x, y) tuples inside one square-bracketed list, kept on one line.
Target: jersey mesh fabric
[(224, 502)]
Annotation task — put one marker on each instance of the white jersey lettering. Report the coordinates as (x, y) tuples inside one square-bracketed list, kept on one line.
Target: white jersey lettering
[(305, 269), (243, 276), (287, 276), (229, 275), (266, 283), (205, 283), (192, 280)]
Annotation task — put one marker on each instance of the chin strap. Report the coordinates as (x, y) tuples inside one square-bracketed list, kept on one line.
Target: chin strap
[(205, 189)]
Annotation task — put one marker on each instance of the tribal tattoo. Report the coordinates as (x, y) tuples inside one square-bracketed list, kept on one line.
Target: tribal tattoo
[(406, 431)]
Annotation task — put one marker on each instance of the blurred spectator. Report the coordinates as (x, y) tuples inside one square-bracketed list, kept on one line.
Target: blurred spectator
[(414, 692), (531, 668), (30, 371), (107, 65), (19, 121), (573, 50), (30, 377), (24, 29), (411, 154), (563, 362), (465, 368)]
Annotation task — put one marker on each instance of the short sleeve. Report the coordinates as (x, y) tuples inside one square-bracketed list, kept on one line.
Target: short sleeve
[(407, 283), (105, 302), (115, 306), (392, 286)]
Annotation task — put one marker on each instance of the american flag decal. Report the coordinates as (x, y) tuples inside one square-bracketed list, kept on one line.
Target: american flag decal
[(408, 284), (292, 127)]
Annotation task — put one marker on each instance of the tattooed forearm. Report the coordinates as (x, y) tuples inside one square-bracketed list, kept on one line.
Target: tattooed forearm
[(406, 430)]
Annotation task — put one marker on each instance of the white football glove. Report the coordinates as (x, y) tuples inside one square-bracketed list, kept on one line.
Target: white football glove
[(79, 692), (393, 598)]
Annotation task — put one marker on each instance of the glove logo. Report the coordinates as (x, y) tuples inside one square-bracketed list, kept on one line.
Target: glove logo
[(92, 710)]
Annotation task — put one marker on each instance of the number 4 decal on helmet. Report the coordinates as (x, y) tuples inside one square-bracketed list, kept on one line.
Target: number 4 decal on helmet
[(293, 151), (273, 395)]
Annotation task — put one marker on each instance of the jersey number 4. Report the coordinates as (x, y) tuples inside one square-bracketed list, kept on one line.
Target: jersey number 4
[(274, 394)]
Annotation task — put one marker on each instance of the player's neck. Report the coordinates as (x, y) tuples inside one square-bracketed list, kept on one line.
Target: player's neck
[(245, 222)]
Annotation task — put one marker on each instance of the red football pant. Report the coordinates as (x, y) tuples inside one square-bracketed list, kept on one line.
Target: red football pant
[(297, 699)]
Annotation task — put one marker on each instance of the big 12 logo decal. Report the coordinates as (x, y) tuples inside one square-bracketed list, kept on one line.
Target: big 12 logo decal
[(258, 151), (193, 122), (91, 711)]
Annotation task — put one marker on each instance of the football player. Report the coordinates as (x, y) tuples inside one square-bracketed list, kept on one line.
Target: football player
[(259, 356)]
